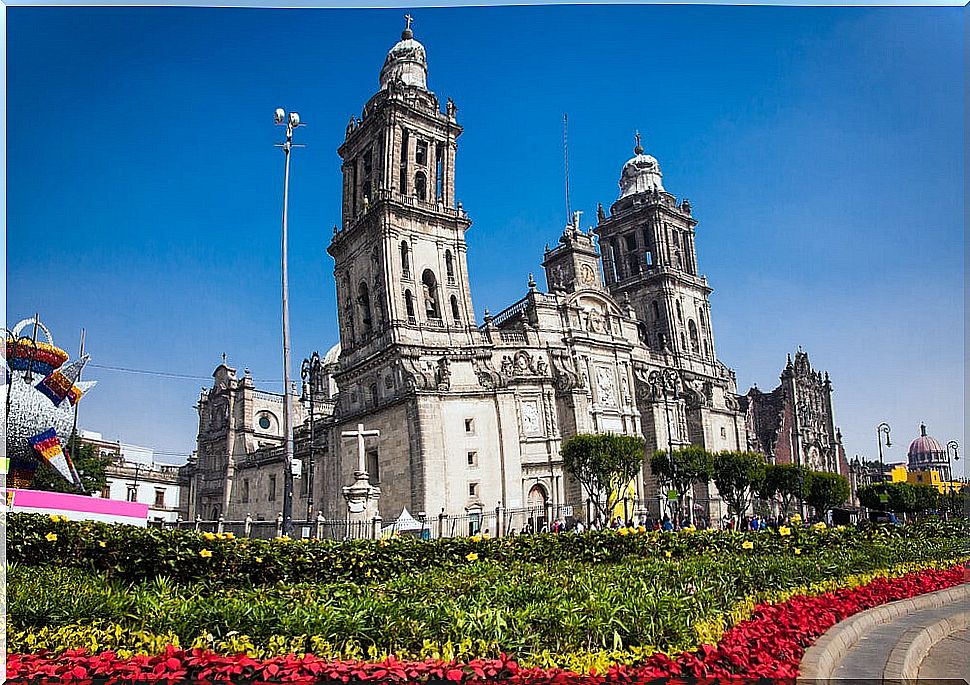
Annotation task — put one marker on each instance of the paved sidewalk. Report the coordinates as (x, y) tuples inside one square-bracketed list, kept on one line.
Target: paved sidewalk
[(950, 658), (925, 637), (867, 659)]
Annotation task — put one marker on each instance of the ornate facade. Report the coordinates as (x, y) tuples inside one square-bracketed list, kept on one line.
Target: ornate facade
[(471, 417), (795, 423)]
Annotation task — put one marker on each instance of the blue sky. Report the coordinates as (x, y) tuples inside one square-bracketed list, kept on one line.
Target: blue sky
[(821, 150)]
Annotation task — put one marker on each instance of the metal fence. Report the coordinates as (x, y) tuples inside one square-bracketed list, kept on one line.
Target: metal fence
[(320, 528), (495, 522)]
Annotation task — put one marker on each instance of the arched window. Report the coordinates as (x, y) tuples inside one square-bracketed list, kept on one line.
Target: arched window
[(430, 284), (405, 259), (656, 310), (680, 314), (702, 318), (449, 267), (454, 309), (363, 299), (421, 185), (683, 341), (409, 306), (694, 342)]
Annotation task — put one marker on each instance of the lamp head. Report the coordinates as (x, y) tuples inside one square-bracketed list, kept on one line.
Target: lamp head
[(280, 115), (294, 119)]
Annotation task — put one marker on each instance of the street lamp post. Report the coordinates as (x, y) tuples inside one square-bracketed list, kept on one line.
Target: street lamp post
[(310, 371), (291, 121), (662, 383), (954, 447), (880, 429)]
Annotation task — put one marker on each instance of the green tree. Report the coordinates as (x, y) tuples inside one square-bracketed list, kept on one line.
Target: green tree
[(690, 465), (899, 497), (784, 481), (89, 464), (604, 464), (925, 498), (738, 475), (824, 491)]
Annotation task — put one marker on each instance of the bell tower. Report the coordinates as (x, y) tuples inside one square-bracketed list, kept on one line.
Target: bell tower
[(647, 243), (400, 257), (400, 252)]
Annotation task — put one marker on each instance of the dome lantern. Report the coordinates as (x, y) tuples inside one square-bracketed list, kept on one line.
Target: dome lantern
[(641, 173), (407, 61)]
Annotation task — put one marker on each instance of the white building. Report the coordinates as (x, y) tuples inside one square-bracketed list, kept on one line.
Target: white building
[(134, 476)]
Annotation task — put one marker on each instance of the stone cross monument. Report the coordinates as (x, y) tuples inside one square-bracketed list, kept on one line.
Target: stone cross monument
[(361, 496)]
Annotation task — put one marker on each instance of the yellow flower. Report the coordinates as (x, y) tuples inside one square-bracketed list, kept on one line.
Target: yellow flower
[(230, 536), (798, 551), (784, 532), (623, 531), (51, 537), (747, 544), (383, 543), (641, 529), (476, 538), (819, 526), (259, 560), (471, 556), (205, 554), (283, 538), (796, 518), (102, 544), (57, 517), (668, 555), (209, 536)]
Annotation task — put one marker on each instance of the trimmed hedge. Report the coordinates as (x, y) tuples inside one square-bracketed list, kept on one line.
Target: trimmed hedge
[(138, 554)]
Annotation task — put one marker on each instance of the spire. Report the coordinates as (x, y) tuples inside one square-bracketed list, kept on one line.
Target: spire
[(638, 150), (922, 429), (407, 33)]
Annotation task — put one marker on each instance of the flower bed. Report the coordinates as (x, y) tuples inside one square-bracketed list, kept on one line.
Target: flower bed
[(769, 644)]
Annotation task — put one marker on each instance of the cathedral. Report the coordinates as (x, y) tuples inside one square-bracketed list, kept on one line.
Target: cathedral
[(466, 418)]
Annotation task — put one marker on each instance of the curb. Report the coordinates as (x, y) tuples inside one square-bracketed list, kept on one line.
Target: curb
[(822, 658), (907, 656)]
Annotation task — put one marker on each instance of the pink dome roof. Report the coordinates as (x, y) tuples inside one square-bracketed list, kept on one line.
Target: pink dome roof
[(925, 444)]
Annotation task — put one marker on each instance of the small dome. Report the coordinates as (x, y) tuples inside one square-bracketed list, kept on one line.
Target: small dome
[(407, 60), (641, 173), (332, 356), (925, 444), (925, 451)]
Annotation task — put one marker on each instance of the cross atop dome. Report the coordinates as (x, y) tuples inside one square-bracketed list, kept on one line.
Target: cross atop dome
[(638, 150), (407, 33)]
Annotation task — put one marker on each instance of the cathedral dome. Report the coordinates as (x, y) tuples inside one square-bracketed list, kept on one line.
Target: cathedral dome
[(641, 173), (925, 450), (332, 356), (406, 61)]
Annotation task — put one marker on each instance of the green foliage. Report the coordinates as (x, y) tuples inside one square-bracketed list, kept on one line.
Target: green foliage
[(784, 481), (909, 498), (688, 466), (125, 553), (603, 464), (823, 490), (738, 475), (537, 610), (90, 466)]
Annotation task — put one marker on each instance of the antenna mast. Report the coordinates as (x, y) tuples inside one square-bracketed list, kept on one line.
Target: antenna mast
[(565, 152)]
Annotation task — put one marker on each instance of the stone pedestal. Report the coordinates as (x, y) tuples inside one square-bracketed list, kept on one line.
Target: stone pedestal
[(361, 498)]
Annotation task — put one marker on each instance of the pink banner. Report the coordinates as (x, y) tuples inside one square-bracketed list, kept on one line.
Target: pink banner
[(58, 502)]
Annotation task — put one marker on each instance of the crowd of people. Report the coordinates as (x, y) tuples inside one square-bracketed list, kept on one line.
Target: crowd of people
[(666, 523)]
